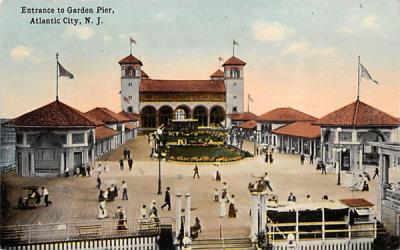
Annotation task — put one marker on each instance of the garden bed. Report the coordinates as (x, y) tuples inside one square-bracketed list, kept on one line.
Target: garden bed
[(210, 153)]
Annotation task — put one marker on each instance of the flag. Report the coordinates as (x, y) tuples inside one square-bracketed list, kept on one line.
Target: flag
[(63, 72), (126, 99), (250, 99), (235, 43), (132, 40), (220, 59), (365, 74)]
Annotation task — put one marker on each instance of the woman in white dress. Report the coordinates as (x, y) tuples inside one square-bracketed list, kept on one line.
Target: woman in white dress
[(222, 207), (102, 210)]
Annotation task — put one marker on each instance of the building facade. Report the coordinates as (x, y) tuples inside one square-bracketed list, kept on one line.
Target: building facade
[(346, 132), (53, 139), (158, 101)]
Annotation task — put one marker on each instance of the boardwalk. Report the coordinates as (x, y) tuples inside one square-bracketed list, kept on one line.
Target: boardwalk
[(75, 198)]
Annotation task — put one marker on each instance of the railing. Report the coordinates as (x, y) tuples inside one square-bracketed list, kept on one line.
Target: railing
[(7, 168), (321, 231), (97, 229), (393, 197)]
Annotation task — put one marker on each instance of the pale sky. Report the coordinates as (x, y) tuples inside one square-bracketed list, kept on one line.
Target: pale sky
[(299, 54)]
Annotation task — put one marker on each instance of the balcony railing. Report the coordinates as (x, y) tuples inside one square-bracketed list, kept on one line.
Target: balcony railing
[(97, 229), (392, 198)]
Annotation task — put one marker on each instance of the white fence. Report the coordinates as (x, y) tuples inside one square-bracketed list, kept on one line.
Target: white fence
[(137, 243), (354, 244)]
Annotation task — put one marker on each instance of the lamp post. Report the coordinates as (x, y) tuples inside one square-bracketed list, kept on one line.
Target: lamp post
[(159, 133), (241, 138), (254, 140), (340, 156)]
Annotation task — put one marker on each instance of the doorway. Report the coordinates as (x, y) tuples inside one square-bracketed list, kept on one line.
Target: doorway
[(77, 159)]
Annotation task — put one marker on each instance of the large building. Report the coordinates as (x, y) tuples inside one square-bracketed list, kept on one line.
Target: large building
[(159, 101)]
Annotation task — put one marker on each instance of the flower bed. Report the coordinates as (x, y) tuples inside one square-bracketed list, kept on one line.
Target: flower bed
[(204, 154)]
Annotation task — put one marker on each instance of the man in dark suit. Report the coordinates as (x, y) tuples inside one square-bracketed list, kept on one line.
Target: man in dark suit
[(167, 200)]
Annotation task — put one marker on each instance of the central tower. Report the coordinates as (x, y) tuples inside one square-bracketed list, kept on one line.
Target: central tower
[(131, 75), (234, 84)]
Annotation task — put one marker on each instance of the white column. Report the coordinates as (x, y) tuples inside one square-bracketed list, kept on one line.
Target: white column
[(323, 223), (297, 225), (62, 167), (178, 214), (93, 156), (254, 216), (379, 194), (360, 155), (32, 155), (263, 212), (187, 214)]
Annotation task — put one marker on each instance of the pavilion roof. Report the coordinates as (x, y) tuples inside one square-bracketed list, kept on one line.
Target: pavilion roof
[(303, 129), (285, 114), (205, 86), (107, 116)]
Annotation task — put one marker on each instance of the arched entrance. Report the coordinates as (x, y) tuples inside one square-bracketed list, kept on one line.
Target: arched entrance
[(370, 153), (165, 114), (217, 115), (186, 109), (201, 114), (148, 117)]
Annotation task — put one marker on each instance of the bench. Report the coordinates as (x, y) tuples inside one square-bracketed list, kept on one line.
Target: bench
[(11, 235), (89, 230), (148, 227)]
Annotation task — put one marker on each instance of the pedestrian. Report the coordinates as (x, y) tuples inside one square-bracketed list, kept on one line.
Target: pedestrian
[(292, 197), (45, 194), (271, 159), (216, 194), (323, 167), (376, 173), (311, 159), (196, 172), (153, 209), (121, 164), (124, 191), (197, 225), (128, 153), (102, 209), (232, 208), (122, 221), (302, 159), (222, 207), (266, 157), (98, 181), (88, 169), (125, 153), (130, 163), (365, 184), (167, 200), (217, 176)]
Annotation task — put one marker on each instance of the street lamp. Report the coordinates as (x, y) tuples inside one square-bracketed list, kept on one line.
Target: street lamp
[(241, 138), (159, 133), (340, 156), (254, 140)]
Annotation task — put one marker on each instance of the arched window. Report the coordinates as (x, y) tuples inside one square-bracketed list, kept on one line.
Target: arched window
[(185, 109), (200, 113), (217, 115), (130, 72), (165, 113), (148, 117), (180, 114)]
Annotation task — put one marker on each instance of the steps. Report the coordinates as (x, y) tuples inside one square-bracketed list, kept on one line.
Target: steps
[(238, 243)]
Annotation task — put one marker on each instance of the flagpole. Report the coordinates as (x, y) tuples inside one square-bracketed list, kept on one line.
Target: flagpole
[(358, 86), (130, 46), (57, 77), (233, 47), (248, 103)]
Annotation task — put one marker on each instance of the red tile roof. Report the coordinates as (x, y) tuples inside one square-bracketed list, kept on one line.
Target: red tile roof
[(209, 86), (54, 115), (129, 126), (218, 74), (130, 60), (245, 116), (107, 116), (233, 61), (103, 132), (144, 75), (356, 202), (358, 114), (248, 125), (132, 117), (285, 115), (303, 129)]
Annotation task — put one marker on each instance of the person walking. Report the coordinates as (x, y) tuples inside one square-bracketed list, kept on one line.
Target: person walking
[(45, 194), (232, 208), (88, 168), (121, 164), (98, 181), (302, 157), (130, 163), (222, 207), (292, 197), (271, 159), (196, 172), (376, 173), (167, 200), (128, 154), (125, 153), (311, 159), (323, 168), (124, 191)]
